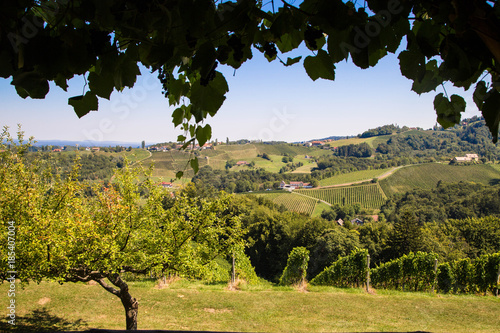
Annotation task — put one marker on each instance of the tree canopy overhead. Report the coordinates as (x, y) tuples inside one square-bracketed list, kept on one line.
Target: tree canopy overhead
[(184, 42)]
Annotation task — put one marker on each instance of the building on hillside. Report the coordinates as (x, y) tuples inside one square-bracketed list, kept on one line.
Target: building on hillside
[(294, 185), (241, 163), (340, 222), (467, 158), (357, 221), (96, 149), (57, 150), (317, 143), (166, 184), (472, 157)]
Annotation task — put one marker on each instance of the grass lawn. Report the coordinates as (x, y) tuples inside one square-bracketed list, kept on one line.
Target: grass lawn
[(264, 308)]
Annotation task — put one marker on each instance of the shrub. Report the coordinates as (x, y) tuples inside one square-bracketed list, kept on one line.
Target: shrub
[(296, 267)]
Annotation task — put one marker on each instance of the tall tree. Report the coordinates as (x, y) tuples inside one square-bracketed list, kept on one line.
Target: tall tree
[(406, 235)]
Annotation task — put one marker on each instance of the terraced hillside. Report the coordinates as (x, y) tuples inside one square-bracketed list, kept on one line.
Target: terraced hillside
[(292, 202), (426, 176), (351, 177), (368, 196)]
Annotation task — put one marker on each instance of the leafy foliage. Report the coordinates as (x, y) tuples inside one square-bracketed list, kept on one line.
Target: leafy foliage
[(382, 130), (446, 201), (348, 271), (470, 276), (184, 42), (65, 235), (412, 271), (296, 267)]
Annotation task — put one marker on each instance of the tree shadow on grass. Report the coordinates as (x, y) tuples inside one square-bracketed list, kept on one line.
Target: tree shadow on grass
[(41, 321), (494, 181)]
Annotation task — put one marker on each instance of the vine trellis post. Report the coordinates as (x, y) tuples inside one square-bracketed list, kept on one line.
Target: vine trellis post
[(367, 273), (435, 274)]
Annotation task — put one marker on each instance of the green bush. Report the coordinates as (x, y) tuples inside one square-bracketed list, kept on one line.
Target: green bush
[(445, 278), (412, 271), (296, 267), (243, 266), (348, 271)]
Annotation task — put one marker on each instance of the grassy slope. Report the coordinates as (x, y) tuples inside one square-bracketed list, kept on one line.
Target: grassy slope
[(193, 306), (167, 163), (292, 201), (353, 177), (372, 142), (427, 175)]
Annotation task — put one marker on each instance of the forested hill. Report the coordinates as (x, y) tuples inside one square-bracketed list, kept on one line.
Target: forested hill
[(408, 146)]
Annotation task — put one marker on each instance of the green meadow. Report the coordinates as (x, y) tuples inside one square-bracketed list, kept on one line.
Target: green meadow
[(185, 305)]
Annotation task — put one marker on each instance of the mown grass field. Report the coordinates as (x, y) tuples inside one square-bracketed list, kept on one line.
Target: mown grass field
[(353, 177), (262, 308), (426, 176)]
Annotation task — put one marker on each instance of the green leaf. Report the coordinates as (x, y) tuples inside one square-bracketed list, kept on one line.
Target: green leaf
[(101, 85), (204, 59), (479, 94), (448, 112), (428, 36), (176, 89), (30, 84), (203, 134), (179, 174), (61, 82), (84, 104), (289, 41), (178, 116), (208, 98), (339, 45), (181, 138), (412, 64), (126, 72), (291, 61), (491, 112), (320, 66), (430, 80), (194, 164)]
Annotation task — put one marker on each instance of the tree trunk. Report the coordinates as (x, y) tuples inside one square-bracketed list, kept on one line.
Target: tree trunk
[(130, 304), (131, 309)]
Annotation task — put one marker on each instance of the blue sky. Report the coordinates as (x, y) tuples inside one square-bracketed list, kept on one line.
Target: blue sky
[(265, 101)]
